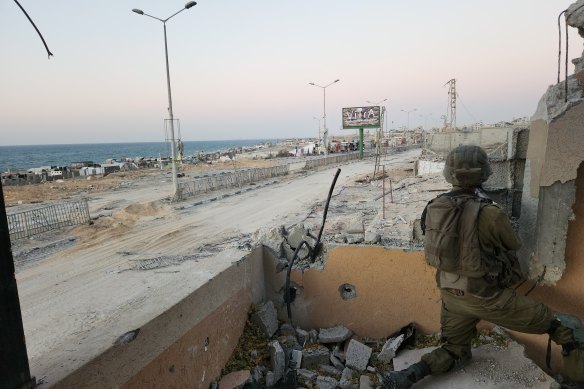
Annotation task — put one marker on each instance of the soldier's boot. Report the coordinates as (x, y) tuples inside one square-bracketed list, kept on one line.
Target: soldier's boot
[(562, 383), (404, 379)]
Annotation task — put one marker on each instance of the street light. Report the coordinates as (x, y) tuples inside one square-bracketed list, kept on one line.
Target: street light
[(325, 130), (170, 114), (408, 112), (318, 119), (426, 120)]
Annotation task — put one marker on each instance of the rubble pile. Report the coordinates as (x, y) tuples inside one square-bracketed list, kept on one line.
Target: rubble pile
[(282, 242), (278, 355)]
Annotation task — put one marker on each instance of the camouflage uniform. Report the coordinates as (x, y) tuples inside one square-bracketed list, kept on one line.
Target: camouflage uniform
[(475, 243), (461, 311)]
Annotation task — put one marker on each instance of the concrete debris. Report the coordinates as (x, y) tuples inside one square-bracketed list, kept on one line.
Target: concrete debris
[(358, 355), (390, 349), (330, 370), (575, 16), (302, 336), (266, 318), (295, 359), (337, 363), (286, 329), (365, 382), (307, 375), (235, 380), (313, 364), (334, 335), (282, 243), (324, 382), (346, 376), (313, 358), (277, 360)]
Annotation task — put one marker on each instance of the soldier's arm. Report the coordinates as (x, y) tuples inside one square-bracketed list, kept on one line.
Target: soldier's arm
[(495, 229)]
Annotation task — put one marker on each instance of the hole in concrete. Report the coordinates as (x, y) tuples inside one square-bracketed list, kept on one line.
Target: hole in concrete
[(347, 291), (292, 294)]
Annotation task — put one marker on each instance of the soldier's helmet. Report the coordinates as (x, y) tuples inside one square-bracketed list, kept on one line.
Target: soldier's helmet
[(467, 166)]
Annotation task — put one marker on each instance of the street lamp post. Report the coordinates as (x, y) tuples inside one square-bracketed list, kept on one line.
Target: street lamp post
[(325, 129), (170, 113), (408, 112), (318, 119)]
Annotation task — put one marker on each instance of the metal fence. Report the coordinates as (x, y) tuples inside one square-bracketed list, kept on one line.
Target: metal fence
[(29, 223), (228, 180), (335, 159)]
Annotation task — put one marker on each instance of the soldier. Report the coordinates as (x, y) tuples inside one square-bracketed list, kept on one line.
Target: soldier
[(471, 242)]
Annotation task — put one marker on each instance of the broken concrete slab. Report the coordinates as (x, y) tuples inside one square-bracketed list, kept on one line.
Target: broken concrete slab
[(306, 374), (266, 318), (389, 349), (312, 358), (295, 359), (323, 382), (358, 355), (235, 380), (365, 382), (490, 368), (346, 376), (334, 335), (277, 360)]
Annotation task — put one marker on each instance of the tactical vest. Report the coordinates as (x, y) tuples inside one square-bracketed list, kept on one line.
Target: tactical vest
[(451, 241)]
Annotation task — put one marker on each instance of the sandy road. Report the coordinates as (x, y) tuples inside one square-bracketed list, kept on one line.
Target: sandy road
[(76, 302)]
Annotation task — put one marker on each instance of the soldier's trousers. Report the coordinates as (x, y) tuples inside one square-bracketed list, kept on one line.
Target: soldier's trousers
[(461, 313)]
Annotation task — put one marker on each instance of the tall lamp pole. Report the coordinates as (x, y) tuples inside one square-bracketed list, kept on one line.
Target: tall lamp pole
[(318, 119), (325, 129), (170, 114), (408, 112)]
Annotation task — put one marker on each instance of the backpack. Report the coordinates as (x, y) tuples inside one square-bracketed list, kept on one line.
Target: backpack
[(451, 241)]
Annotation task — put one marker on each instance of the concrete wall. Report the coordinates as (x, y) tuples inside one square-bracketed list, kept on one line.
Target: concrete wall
[(186, 346), (568, 293), (555, 151), (393, 288)]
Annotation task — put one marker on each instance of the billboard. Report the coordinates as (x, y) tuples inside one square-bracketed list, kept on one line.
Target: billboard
[(362, 117)]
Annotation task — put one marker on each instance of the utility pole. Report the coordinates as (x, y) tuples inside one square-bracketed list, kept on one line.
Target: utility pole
[(452, 106)]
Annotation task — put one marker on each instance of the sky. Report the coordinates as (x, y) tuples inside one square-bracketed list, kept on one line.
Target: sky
[(241, 69)]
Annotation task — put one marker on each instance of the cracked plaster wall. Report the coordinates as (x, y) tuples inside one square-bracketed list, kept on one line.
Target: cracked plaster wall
[(556, 149)]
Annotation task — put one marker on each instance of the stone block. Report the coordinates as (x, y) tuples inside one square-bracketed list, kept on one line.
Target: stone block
[(365, 382), (295, 359), (307, 375), (323, 382), (266, 318), (346, 379), (235, 380), (313, 358), (287, 329), (277, 360), (270, 379), (302, 336), (313, 334), (389, 349), (358, 355), (334, 335), (337, 362), (296, 236), (330, 370)]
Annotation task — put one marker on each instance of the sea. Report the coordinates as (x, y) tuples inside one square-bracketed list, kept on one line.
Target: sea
[(26, 157)]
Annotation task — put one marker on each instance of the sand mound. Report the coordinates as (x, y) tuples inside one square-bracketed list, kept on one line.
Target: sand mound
[(133, 212)]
